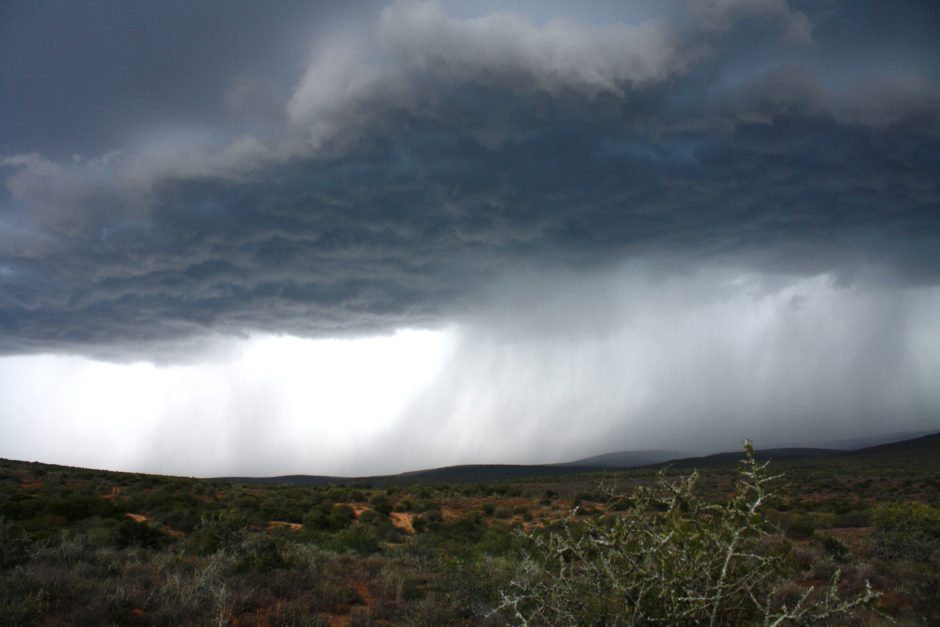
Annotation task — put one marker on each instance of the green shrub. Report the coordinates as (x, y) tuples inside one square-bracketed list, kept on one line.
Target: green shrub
[(356, 539), (22, 602), (835, 549), (325, 517), (380, 503), (224, 530), (800, 527), (906, 531), (502, 512), (909, 534), (14, 545), (316, 519), (128, 533), (428, 520), (260, 553), (342, 517), (671, 558), (371, 517), (852, 518)]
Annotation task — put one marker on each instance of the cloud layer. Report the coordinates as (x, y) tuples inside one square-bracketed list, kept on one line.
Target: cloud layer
[(422, 156)]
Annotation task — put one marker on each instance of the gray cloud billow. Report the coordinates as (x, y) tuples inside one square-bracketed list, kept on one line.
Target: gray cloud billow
[(420, 161)]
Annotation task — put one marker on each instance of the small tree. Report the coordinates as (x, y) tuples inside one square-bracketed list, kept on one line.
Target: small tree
[(668, 558)]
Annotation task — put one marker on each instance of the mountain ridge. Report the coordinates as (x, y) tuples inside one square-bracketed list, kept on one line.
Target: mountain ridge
[(469, 473)]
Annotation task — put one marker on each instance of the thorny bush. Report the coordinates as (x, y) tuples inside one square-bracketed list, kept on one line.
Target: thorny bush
[(670, 558)]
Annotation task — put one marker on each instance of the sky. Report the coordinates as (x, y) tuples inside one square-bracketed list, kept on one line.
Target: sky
[(247, 238)]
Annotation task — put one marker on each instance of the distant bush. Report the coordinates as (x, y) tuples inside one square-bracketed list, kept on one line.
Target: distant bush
[(906, 530), (260, 553), (337, 494), (835, 549), (672, 558), (128, 533), (14, 545), (910, 533), (356, 539), (224, 530), (425, 504), (380, 503), (502, 512), (853, 518), (344, 513), (21, 601), (427, 520), (371, 517), (328, 518), (800, 527)]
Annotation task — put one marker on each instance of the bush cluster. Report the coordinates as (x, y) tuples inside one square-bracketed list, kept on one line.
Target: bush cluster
[(669, 558)]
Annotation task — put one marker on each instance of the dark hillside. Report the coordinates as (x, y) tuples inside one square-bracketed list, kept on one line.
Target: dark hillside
[(625, 459), (924, 451), (775, 454)]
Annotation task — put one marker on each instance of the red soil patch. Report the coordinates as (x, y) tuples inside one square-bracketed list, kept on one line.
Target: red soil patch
[(403, 521), (358, 509), (138, 518), (31, 485), (274, 524), (450, 514), (363, 591)]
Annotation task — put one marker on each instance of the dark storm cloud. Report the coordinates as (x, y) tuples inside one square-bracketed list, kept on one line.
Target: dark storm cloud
[(421, 158), (89, 77)]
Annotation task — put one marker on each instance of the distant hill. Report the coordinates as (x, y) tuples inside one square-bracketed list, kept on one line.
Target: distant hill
[(625, 459), (925, 444), (494, 472), (921, 452), (926, 448), (313, 480), (469, 473), (776, 454), (856, 443)]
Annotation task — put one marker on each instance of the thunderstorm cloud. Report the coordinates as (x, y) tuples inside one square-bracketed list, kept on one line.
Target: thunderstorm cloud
[(634, 225)]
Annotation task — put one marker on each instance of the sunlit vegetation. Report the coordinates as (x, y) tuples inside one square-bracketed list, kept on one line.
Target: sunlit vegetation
[(84, 547)]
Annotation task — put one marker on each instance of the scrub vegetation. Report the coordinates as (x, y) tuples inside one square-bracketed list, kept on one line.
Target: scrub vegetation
[(837, 540)]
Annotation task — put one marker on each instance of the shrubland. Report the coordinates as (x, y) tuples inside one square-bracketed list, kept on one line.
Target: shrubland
[(831, 542)]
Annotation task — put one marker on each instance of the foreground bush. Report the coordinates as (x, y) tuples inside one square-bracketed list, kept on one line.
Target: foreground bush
[(670, 558), (908, 534)]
